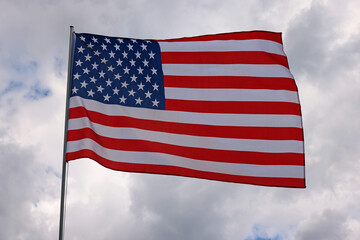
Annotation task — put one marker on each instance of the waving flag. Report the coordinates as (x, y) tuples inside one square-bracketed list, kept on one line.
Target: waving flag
[(222, 107)]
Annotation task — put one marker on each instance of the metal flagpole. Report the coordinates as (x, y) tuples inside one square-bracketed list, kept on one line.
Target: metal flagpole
[(64, 166)]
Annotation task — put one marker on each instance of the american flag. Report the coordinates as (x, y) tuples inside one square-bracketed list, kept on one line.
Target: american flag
[(222, 107)]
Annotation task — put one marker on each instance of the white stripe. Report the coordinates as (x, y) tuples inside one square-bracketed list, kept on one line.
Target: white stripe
[(285, 171), (250, 70), (216, 119), (269, 146), (223, 46), (231, 95)]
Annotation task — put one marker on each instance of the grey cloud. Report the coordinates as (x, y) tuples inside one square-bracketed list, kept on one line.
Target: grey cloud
[(179, 210), (329, 225), (309, 38), (21, 191), (315, 44)]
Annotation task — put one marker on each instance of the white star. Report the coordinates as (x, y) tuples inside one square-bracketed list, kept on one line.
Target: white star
[(148, 94), (91, 93), (143, 46), (141, 86), (117, 76), (133, 40), (94, 39), (116, 91), (155, 103), (82, 38), (154, 71), (93, 79), (74, 90), (156, 87), (119, 62), (146, 63), (126, 70), (107, 40), (116, 46), (147, 78), (133, 78), (130, 46), (103, 46), (108, 82), (83, 84), (106, 97), (79, 62), (140, 70), (137, 54), (90, 45), (104, 61), (131, 92), (151, 54), (124, 54), (138, 101), (94, 65), (112, 54), (100, 88), (110, 68), (102, 74), (97, 53), (122, 99), (81, 49), (76, 76), (87, 57), (86, 71), (120, 40), (132, 62), (124, 84)]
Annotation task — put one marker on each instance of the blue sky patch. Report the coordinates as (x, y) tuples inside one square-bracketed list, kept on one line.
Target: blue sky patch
[(13, 85), (25, 68), (259, 233), (36, 92)]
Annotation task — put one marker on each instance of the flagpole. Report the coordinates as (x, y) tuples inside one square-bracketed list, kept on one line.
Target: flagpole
[(64, 166)]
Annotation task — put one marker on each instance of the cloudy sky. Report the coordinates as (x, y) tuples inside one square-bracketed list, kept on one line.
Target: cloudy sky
[(322, 41)]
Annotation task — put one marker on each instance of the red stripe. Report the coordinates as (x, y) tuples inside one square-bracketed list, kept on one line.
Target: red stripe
[(233, 107), (189, 152), (179, 171), (266, 133), (235, 82), (223, 58), (272, 36)]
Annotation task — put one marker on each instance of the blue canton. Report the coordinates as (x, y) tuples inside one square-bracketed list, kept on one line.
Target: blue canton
[(118, 71)]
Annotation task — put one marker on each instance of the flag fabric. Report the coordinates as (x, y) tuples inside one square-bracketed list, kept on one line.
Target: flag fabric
[(221, 107)]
